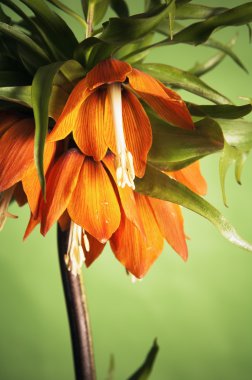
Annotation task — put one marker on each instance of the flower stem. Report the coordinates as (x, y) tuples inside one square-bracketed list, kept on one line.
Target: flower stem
[(90, 18), (77, 314)]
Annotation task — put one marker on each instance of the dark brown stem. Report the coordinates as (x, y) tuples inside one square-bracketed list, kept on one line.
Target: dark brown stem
[(77, 314)]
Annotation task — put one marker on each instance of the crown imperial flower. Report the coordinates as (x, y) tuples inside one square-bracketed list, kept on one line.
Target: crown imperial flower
[(104, 112)]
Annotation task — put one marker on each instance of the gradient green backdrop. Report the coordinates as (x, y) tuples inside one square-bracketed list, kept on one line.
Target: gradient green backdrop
[(200, 312)]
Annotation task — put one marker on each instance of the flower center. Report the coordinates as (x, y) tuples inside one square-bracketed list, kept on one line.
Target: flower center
[(75, 257), (125, 172), (5, 198)]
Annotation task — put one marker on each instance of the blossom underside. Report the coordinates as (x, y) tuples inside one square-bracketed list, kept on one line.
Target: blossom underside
[(90, 174)]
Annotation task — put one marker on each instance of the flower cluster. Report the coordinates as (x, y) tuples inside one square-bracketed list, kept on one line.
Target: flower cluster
[(97, 146)]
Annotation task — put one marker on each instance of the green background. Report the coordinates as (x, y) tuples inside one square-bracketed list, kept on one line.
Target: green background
[(200, 312)]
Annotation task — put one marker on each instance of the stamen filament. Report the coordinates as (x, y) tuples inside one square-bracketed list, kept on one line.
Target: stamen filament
[(75, 257), (5, 199), (125, 173)]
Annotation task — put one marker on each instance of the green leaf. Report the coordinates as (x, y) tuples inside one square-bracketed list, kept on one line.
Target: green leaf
[(19, 94), (144, 371), (150, 4), (182, 79), (237, 133), (55, 27), (127, 49), (120, 7), (196, 11), (224, 111), (98, 52), (33, 26), (98, 9), (227, 50), (3, 16), (174, 148), (92, 50), (42, 86), (238, 136), (26, 42), (199, 32), (69, 11), (201, 68), (137, 26), (41, 91), (158, 185)]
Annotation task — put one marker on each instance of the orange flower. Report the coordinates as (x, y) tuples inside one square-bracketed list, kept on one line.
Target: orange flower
[(85, 191), (16, 158), (104, 112)]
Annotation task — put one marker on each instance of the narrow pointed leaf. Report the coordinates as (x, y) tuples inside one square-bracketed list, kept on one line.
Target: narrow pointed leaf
[(129, 48), (41, 91), (227, 50), (238, 136), (120, 7), (144, 371), (174, 148), (97, 7), (196, 11), (32, 25), (136, 26), (179, 78), (220, 111), (201, 68), (56, 28), (229, 155), (237, 133), (149, 4), (42, 86), (158, 185), (68, 11), (18, 94), (3, 16), (22, 39), (199, 32)]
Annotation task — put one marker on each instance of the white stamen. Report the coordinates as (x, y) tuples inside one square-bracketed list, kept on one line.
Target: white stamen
[(86, 242), (5, 198), (134, 279), (75, 257), (125, 173)]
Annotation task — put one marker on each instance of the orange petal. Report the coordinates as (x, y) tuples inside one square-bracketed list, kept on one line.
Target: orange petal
[(16, 152), (191, 177), (170, 221), (7, 119), (64, 221), (137, 129), (126, 195), (70, 114), (134, 251), (95, 250), (30, 227), (89, 127), (62, 179), (94, 204), (108, 71), (165, 102), (20, 195), (31, 182)]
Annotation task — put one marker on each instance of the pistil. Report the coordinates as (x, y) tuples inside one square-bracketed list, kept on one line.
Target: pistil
[(124, 166)]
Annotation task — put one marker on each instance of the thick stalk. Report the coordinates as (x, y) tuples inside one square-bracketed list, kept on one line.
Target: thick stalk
[(77, 314)]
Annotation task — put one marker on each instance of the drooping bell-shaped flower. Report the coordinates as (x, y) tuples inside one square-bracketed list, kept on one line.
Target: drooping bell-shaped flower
[(104, 112)]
